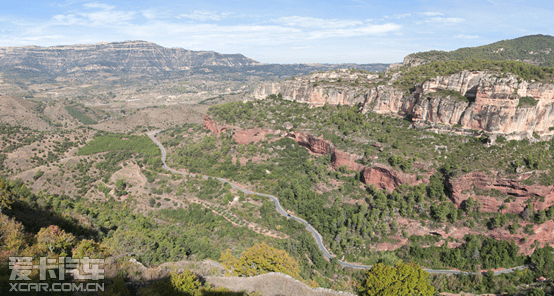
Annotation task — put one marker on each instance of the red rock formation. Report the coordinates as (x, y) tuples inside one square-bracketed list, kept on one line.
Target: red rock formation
[(315, 145), (210, 124), (462, 189), (340, 158), (387, 178), (245, 137), (542, 234)]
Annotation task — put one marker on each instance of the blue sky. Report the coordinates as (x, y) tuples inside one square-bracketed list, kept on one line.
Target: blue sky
[(281, 31)]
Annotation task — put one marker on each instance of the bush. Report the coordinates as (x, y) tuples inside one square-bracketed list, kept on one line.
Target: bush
[(527, 102), (38, 174), (384, 280)]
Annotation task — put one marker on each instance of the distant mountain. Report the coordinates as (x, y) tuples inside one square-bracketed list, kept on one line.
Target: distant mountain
[(533, 49), (126, 57)]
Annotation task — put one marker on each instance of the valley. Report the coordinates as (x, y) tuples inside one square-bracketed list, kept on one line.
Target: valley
[(446, 164)]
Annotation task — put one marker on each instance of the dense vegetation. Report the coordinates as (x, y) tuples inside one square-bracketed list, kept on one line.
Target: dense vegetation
[(402, 279), (350, 228), (534, 49), (528, 72), (104, 142), (84, 119)]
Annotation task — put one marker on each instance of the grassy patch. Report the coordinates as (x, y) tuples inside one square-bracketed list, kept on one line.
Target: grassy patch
[(79, 116), (114, 142)]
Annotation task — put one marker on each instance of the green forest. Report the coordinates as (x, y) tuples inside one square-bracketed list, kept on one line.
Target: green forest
[(534, 48)]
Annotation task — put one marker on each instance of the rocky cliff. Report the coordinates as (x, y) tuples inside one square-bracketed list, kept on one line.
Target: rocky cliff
[(491, 103), (128, 57), (314, 89), (500, 194)]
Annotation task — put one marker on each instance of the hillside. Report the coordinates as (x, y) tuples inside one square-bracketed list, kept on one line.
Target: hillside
[(533, 49)]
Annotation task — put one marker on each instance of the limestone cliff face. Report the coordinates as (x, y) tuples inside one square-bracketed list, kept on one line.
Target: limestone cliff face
[(129, 56), (303, 92), (494, 108), (309, 90), (496, 103)]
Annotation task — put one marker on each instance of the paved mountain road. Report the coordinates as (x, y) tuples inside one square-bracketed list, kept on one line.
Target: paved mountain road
[(317, 236)]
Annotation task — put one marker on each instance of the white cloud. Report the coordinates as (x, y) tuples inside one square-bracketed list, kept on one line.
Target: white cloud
[(463, 36), (67, 20), (98, 5), (441, 20), (398, 16), (432, 13), (152, 14), (207, 36), (312, 22), (202, 15), (356, 32), (101, 15)]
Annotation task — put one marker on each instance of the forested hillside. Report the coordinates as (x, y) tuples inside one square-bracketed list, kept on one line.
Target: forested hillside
[(533, 49)]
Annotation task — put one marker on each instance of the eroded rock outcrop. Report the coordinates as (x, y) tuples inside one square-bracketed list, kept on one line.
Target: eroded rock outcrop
[(386, 178), (256, 135), (381, 176), (492, 102), (315, 145), (319, 146), (493, 192), (211, 125)]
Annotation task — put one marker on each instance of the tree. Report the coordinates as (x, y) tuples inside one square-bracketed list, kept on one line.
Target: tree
[(403, 279), (476, 256), (55, 241), (527, 212), (185, 282), (260, 259), (89, 248), (117, 288), (38, 174), (6, 196), (12, 237)]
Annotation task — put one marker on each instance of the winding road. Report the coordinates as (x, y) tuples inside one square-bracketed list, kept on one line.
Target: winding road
[(317, 236)]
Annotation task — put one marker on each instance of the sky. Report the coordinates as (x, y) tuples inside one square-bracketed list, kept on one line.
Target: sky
[(279, 31)]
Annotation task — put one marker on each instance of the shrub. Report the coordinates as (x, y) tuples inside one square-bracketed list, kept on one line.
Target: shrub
[(527, 102)]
